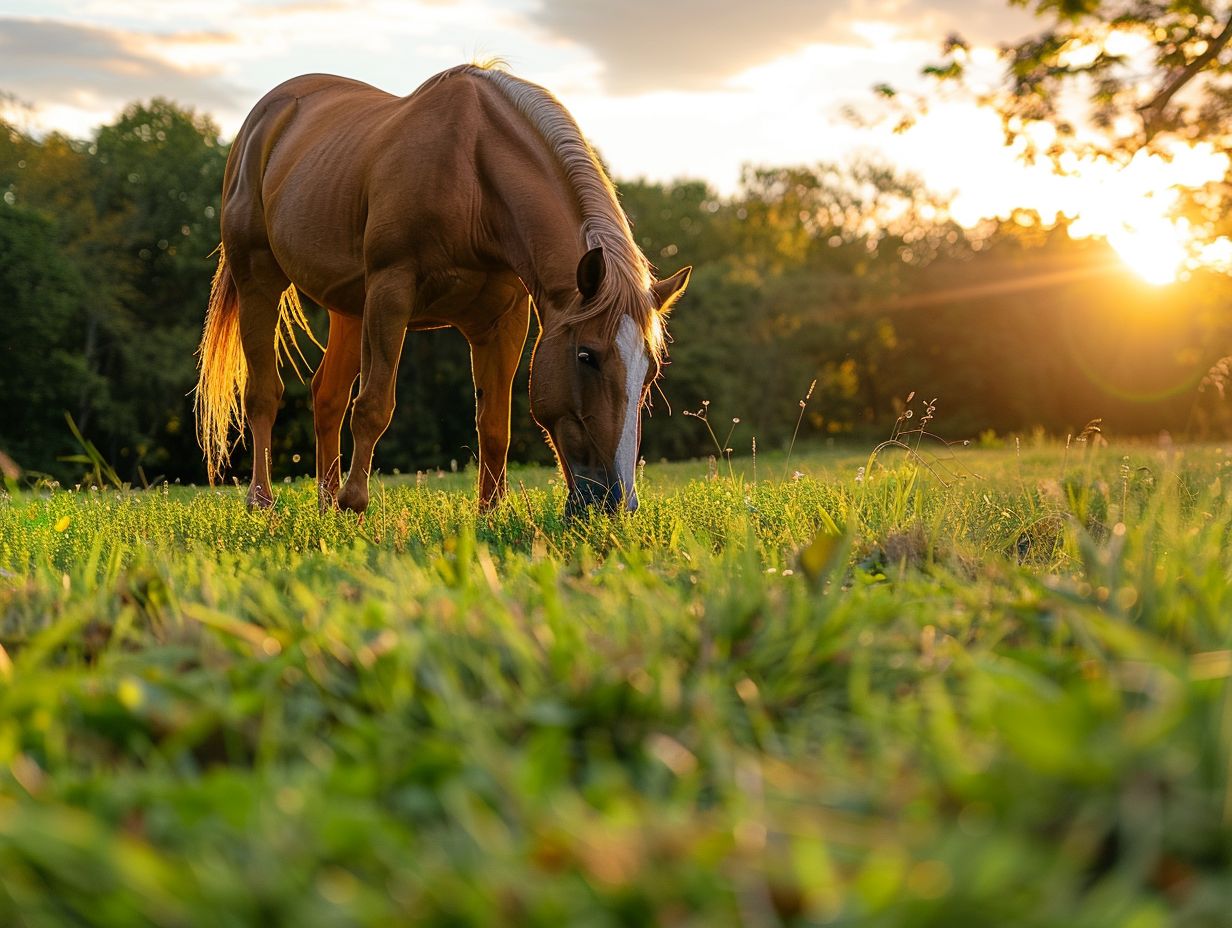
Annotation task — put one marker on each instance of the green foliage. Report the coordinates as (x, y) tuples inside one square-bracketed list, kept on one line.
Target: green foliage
[(42, 294), (134, 215), (1145, 70), (158, 170), (1105, 80), (998, 702)]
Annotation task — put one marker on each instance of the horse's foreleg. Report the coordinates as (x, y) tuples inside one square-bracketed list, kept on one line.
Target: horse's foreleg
[(259, 283), (331, 394), (494, 361), (387, 312)]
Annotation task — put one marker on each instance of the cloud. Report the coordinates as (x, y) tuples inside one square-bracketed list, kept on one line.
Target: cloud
[(646, 45), (983, 22), (80, 61), (684, 44), (62, 65)]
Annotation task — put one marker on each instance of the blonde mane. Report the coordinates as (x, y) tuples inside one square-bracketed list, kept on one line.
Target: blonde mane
[(625, 290)]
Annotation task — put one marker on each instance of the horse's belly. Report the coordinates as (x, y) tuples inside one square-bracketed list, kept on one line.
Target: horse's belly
[(315, 211), (327, 266), (469, 300)]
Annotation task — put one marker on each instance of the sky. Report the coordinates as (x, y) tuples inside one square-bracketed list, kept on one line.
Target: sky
[(664, 89)]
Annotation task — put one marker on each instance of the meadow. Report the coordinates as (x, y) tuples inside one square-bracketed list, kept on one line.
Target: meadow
[(993, 690)]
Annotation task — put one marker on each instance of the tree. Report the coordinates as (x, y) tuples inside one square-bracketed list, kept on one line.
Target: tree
[(134, 212), (1143, 70), (41, 366), (791, 274), (1117, 87), (157, 178)]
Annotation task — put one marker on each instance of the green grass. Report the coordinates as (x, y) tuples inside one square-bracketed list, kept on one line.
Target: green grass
[(1003, 701)]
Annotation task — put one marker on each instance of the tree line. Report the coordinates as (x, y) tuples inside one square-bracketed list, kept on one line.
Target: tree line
[(851, 276)]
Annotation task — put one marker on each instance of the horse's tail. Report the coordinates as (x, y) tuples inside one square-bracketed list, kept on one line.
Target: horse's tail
[(223, 372)]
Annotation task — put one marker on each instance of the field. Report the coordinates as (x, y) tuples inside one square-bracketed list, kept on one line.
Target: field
[(889, 696)]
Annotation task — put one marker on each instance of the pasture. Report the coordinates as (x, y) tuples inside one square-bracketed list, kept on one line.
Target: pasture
[(874, 697)]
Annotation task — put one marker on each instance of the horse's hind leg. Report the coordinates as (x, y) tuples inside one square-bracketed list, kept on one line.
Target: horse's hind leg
[(387, 313), (331, 394), (494, 361), (260, 283)]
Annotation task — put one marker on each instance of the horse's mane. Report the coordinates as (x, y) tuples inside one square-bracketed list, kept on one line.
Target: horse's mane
[(625, 287)]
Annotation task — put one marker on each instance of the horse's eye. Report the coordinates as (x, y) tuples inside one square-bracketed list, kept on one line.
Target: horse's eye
[(589, 357)]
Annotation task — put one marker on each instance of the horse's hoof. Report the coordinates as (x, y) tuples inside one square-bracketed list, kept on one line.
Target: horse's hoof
[(353, 499), (259, 500)]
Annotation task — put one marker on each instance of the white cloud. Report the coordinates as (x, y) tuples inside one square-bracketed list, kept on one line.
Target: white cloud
[(83, 60), (646, 45), (88, 69)]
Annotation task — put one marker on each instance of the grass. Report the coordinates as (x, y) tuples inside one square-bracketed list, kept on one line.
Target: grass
[(1005, 700)]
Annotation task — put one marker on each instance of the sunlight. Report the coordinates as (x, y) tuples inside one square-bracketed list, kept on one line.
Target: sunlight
[(1130, 205), (1133, 207), (1154, 250)]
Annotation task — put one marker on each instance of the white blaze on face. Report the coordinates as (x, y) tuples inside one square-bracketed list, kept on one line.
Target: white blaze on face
[(632, 348)]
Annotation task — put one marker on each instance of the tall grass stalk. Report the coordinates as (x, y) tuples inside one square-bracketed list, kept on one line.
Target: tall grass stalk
[(796, 432)]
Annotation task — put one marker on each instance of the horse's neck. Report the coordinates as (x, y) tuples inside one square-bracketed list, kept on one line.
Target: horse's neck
[(534, 222)]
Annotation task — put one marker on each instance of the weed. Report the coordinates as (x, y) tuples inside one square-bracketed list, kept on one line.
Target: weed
[(796, 432), (906, 436)]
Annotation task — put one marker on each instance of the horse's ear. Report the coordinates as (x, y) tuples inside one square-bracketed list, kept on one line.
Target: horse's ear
[(590, 272), (669, 291)]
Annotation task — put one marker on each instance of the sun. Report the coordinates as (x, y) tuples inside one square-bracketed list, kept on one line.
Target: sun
[(1134, 212), (1134, 206), (1154, 248)]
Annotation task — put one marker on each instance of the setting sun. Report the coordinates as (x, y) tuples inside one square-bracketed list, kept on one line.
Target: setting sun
[(1133, 208), (1154, 251)]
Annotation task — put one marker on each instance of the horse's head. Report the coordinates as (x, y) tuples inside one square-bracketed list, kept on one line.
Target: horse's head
[(588, 381)]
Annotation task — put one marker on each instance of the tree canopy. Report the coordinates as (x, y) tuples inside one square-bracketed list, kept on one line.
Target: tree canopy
[(1136, 71)]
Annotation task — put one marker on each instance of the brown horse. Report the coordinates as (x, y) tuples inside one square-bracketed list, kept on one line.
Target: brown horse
[(465, 204)]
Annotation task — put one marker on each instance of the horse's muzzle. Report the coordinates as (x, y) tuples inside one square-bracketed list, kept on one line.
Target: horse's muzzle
[(594, 489)]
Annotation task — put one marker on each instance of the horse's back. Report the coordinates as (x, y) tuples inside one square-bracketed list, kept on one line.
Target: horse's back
[(307, 84), (331, 128), (307, 88), (323, 161), (285, 106)]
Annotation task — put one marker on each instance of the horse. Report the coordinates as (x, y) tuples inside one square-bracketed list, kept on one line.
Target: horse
[(472, 202)]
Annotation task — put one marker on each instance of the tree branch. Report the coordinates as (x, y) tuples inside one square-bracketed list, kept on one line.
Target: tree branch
[(1152, 108)]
